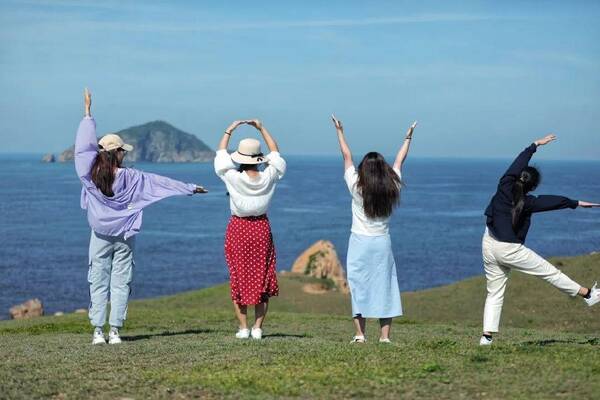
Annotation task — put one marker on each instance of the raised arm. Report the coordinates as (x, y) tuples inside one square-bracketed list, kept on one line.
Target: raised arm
[(403, 152), (86, 142), (271, 143), (522, 160), (344, 148), (227, 134)]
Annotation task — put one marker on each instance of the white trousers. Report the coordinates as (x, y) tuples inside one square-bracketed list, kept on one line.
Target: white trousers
[(498, 259)]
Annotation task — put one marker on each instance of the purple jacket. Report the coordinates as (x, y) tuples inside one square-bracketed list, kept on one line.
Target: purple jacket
[(133, 189)]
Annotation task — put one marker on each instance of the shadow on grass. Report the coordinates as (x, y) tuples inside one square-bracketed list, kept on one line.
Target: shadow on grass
[(166, 334), (148, 336), (286, 335), (547, 342)]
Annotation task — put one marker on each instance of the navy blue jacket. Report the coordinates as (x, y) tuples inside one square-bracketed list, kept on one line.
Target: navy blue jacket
[(499, 211)]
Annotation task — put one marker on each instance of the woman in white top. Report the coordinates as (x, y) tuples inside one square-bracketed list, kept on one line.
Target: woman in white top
[(249, 247), (370, 266)]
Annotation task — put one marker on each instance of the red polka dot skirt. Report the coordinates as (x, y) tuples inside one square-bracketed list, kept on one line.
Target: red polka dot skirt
[(250, 255)]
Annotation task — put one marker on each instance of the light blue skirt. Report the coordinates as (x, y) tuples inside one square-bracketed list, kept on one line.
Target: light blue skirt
[(372, 277)]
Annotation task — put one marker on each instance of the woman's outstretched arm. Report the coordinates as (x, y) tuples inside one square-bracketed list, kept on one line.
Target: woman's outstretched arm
[(271, 143), (587, 204), (522, 160), (550, 203), (344, 148), (403, 152), (223, 162), (86, 142), (227, 134)]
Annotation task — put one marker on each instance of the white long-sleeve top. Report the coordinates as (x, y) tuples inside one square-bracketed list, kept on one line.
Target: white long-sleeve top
[(249, 196)]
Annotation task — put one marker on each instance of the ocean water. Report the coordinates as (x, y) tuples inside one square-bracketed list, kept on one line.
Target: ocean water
[(436, 231)]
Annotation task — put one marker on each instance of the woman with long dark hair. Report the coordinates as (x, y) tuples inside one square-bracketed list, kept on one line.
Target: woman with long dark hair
[(114, 197), (508, 220), (370, 265), (249, 247)]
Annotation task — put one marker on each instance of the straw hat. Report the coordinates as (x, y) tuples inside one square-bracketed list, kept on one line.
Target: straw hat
[(112, 141), (248, 152)]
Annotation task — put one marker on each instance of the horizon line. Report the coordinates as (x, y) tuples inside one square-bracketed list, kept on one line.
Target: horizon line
[(315, 155)]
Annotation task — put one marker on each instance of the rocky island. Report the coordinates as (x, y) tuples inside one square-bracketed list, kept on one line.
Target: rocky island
[(161, 142)]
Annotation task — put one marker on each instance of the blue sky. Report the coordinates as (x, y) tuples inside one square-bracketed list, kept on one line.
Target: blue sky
[(482, 78)]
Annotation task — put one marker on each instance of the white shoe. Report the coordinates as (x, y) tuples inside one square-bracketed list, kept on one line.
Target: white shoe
[(256, 333), (359, 339), (113, 337), (386, 340), (243, 333), (594, 296), (485, 341), (98, 337)]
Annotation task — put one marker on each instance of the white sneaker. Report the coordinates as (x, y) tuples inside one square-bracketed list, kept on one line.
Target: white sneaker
[(386, 340), (485, 341), (256, 333), (113, 337), (359, 339), (243, 333), (594, 296), (98, 337)]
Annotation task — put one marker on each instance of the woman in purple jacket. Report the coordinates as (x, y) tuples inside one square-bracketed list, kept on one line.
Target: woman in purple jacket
[(114, 198)]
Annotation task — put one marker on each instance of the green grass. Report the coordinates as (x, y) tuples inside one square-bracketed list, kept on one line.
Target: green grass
[(183, 347)]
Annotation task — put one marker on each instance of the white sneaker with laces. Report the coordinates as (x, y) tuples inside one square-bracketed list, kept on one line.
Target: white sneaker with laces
[(256, 333), (243, 333), (384, 340), (594, 296), (98, 337), (485, 341), (359, 339), (113, 337)]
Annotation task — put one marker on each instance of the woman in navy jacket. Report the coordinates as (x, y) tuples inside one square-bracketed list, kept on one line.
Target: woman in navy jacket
[(508, 220)]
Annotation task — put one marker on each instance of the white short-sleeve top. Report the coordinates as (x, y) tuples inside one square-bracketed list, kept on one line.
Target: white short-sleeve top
[(361, 224), (249, 196)]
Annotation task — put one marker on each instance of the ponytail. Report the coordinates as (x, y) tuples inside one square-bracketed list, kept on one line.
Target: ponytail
[(528, 181), (103, 171), (518, 193)]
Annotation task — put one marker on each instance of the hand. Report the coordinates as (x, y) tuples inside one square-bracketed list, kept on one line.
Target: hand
[(233, 125), (411, 129), (586, 204), (545, 140), (200, 189), (255, 123), (337, 123), (87, 97)]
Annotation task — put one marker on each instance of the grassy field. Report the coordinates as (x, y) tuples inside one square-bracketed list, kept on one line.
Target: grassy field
[(183, 347)]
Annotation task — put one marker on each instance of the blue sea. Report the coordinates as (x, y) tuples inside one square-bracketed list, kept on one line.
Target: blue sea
[(436, 231)]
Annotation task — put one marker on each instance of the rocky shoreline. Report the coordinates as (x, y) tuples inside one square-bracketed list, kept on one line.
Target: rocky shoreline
[(319, 261)]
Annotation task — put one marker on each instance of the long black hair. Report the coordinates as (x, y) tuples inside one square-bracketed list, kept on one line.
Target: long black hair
[(528, 180), (104, 169), (379, 186)]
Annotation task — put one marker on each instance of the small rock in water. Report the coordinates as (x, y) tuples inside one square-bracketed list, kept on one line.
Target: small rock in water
[(49, 158), (30, 309), (80, 311), (321, 261)]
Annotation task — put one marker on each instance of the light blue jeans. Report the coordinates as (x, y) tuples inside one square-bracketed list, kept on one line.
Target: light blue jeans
[(111, 270)]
